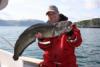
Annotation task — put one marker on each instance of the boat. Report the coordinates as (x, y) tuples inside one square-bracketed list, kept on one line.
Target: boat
[(6, 60)]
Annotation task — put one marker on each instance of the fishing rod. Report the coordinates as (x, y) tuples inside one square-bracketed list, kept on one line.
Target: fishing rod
[(7, 41)]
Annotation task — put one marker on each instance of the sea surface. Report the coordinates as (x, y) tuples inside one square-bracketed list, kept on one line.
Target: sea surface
[(88, 54)]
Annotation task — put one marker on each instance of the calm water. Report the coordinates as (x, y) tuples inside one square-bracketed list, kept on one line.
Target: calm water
[(88, 53)]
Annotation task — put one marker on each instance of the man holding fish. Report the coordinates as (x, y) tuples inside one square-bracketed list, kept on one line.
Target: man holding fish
[(59, 51), (58, 38), (58, 45)]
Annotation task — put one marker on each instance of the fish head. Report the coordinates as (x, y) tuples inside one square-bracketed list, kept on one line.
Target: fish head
[(62, 26)]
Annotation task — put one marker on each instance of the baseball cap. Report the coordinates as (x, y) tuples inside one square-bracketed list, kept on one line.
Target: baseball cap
[(52, 8)]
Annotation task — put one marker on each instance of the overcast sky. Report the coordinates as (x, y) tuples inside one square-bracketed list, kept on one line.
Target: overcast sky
[(35, 9)]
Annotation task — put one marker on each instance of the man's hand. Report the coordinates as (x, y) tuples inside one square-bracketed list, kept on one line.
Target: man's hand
[(69, 30), (38, 35)]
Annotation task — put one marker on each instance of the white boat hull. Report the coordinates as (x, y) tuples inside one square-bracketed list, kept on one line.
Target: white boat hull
[(6, 60)]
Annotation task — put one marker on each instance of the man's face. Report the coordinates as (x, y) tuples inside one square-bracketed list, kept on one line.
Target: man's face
[(53, 16)]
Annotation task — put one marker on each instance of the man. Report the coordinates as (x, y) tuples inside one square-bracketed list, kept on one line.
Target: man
[(59, 51)]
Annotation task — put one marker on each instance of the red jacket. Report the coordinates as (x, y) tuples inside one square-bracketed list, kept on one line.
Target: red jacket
[(60, 51)]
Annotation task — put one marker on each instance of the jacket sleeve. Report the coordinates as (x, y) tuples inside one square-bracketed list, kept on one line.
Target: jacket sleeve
[(75, 40), (45, 44)]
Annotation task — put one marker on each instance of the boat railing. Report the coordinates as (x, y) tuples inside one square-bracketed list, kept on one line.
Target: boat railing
[(6, 60)]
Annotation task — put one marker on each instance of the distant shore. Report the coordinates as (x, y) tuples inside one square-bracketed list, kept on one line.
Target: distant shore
[(89, 27), (91, 23)]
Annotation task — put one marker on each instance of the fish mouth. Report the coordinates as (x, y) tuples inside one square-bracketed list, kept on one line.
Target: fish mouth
[(15, 58)]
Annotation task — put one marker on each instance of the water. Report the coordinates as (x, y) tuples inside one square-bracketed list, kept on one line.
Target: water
[(11, 34), (87, 54)]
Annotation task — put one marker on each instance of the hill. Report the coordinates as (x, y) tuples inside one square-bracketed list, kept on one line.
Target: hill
[(19, 22), (91, 23)]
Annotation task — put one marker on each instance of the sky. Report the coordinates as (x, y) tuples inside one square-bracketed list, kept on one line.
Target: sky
[(75, 10)]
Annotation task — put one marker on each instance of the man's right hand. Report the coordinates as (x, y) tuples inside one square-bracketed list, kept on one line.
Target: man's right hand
[(38, 35)]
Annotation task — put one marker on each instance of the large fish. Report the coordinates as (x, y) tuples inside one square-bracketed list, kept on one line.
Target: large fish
[(28, 36)]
